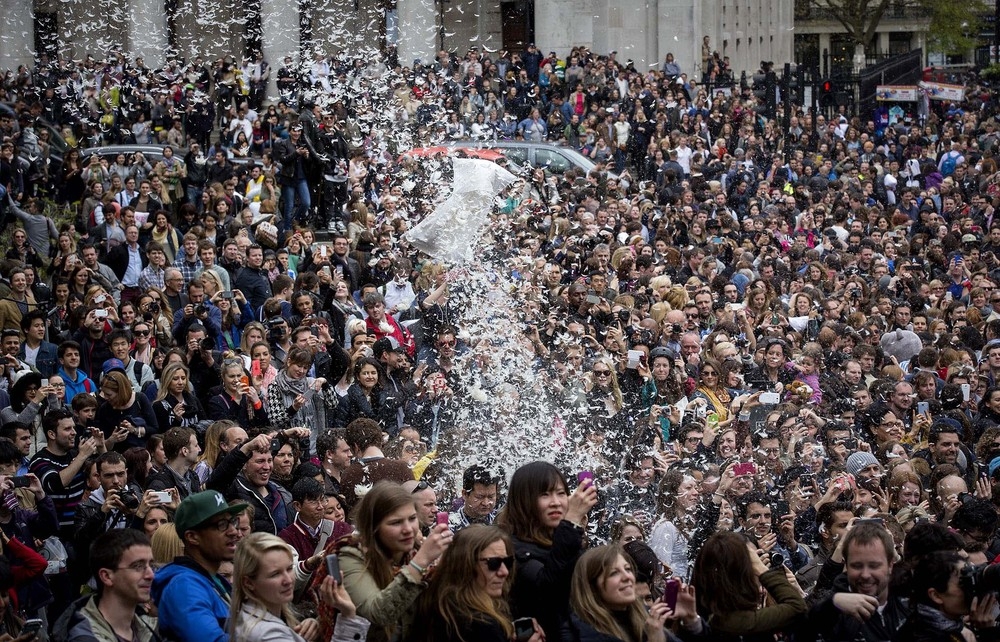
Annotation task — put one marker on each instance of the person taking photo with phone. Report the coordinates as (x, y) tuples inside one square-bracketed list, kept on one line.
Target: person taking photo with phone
[(467, 598), (604, 603)]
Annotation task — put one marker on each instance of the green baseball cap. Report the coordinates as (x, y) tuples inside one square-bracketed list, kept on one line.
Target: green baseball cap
[(198, 508)]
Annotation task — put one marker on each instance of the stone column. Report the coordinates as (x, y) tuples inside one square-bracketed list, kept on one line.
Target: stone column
[(561, 24), (147, 31), (417, 29), (17, 44), (280, 22)]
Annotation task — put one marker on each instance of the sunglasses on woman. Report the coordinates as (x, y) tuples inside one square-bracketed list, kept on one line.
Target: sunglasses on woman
[(493, 563)]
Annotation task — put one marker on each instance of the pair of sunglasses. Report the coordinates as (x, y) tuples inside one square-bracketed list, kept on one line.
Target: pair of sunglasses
[(493, 563)]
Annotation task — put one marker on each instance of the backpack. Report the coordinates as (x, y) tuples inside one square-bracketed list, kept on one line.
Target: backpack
[(948, 164)]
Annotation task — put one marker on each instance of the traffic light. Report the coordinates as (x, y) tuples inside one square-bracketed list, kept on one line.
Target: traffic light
[(826, 93)]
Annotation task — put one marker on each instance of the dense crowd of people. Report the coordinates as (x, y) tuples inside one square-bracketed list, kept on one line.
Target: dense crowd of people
[(766, 355)]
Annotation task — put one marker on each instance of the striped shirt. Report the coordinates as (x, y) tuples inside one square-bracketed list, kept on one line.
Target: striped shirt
[(46, 466)]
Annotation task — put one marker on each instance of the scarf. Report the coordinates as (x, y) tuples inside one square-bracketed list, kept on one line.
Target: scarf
[(313, 414), (720, 401), (939, 621)]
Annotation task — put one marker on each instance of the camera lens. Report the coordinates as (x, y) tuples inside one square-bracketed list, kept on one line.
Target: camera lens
[(129, 499)]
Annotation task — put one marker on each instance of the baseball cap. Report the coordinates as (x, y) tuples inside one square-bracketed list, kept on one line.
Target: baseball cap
[(386, 344), (113, 364), (994, 464), (198, 508), (969, 238)]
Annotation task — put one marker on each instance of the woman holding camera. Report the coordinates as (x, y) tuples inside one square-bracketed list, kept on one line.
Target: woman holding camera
[(467, 598), (729, 575), (296, 399), (123, 414), (939, 603), (175, 405), (236, 314)]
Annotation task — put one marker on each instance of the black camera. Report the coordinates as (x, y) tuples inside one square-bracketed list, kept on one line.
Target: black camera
[(129, 499), (275, 446), (207, 344), (977, 581), (275, 330), (200, 310), (153, 307), (625, 316), (676, 328)]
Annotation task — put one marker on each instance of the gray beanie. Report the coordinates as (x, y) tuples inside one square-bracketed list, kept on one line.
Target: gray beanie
[(859, 461)]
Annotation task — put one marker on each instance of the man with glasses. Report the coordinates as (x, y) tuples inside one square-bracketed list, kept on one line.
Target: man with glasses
[(121, 562), (480, 491), (425, 499), (173, 286), (991, 356), (193, 601)]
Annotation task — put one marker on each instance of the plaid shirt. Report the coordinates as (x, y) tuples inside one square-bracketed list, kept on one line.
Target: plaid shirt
[(151, 276), (188, 270)]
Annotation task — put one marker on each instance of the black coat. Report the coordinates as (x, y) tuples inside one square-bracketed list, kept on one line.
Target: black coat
[(118, 260), (543, 574)]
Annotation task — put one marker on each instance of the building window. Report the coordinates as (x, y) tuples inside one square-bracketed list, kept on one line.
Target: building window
[(899, 43)]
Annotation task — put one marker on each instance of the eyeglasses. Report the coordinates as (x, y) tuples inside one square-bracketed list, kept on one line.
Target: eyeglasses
[(448, 344), (138, 567), (493, 563), (602, 373), (224, 525), (892, 424), (708, 373), (421, 485), (142, 333)]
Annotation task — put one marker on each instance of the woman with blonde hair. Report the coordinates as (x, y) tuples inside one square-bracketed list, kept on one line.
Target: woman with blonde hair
[(211, 282), (166, 544), (210, 453), (263, 589), (175, 404)]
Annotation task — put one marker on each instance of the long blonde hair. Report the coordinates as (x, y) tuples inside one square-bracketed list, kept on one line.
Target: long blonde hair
[(584, 596), (246, 565), (168, 373)]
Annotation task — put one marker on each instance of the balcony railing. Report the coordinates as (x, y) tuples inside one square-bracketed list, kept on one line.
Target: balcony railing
[(807, 10)]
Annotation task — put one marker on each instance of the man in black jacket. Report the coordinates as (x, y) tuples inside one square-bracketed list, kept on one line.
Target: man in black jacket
[(245, 474), (294, 156), (252, 279), (860, 605)]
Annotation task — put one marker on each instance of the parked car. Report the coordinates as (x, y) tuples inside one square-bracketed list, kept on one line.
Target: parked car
[(554, 158)]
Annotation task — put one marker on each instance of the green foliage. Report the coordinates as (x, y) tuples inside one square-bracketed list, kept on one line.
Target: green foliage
[(991, 73), (954, 25)]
